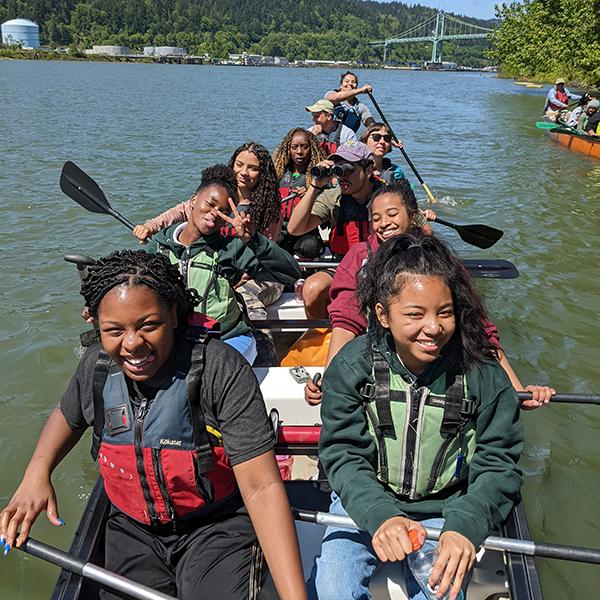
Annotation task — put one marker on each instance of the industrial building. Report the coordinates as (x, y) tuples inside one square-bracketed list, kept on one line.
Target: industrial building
[(22, 32)]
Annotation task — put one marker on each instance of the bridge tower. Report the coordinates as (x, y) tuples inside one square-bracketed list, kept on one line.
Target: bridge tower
[(438, 36)]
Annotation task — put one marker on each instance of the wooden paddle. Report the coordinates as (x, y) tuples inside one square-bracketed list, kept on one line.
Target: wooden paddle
[(79, 186), (527, 547)]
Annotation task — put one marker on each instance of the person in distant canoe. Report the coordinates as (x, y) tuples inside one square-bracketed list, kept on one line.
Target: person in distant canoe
[(592, 125), (559, 96), (182, 440), (295, 156), (330, 133), (347, 108)]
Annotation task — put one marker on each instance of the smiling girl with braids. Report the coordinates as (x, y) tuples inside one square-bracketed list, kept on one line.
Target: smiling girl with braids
[(256, 189), (294, 158), (183, 443), (214, 264)]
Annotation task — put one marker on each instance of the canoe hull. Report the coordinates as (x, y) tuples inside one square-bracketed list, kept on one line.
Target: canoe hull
[(499, 575), (577, 143)]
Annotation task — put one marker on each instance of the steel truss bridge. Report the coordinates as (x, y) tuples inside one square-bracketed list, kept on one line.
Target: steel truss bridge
[(436, 29)]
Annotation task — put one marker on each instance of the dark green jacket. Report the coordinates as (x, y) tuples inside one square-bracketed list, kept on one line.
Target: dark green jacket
[(260, 258), (348, 452)]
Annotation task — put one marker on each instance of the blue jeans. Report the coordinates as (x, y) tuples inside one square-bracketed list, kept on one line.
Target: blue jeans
[(348, 562), (245, 345)]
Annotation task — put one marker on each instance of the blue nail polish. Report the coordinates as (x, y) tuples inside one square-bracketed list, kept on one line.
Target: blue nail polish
[(6, 549), (60, 521), (2, 540)]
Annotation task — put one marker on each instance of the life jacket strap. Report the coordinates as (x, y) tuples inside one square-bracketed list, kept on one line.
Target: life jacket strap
[(457, 409), (98, 381), (382, 395)]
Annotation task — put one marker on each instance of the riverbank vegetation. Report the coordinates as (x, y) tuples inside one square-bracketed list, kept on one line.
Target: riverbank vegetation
[(296, 29), (544, 39)]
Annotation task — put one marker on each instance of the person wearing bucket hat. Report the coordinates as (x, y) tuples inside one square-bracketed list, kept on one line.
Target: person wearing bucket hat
[(558, 97), (343, 207), (329, 132), (592, 127)]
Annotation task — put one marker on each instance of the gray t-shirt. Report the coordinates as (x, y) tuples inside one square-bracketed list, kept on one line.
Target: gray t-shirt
[(231, 401)]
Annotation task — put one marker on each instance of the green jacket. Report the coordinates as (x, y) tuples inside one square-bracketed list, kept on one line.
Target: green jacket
[(477, 503), (260, 258)]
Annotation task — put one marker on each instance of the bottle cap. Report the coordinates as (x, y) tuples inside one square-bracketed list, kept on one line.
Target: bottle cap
[(413, 534)]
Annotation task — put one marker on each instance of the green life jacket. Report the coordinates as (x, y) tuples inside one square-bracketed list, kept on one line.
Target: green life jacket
[(203, 274), (425, 436)]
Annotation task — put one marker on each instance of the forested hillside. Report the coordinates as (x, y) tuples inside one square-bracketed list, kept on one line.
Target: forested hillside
[(297, 29), (545, 39)]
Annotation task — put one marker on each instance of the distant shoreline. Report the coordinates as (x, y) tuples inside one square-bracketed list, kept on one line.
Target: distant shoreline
[(51, 55)]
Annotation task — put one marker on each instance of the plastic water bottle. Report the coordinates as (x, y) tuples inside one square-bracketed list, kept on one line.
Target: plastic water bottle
[(421, 564)]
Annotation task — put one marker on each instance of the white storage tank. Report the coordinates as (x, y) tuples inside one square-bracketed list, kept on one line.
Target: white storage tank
[(21, 31), (169, 51)]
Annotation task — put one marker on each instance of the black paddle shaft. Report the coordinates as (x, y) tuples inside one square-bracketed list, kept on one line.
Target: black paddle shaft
[(79, 186), (567, 398), (387, 124)]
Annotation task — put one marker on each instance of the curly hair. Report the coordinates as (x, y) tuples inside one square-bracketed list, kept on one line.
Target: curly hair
[(283, 159), (222, 176), (137, 267), (386, 274), (264, 198)]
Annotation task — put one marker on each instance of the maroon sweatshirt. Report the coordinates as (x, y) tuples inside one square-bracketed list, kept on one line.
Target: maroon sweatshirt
[(344, 309)]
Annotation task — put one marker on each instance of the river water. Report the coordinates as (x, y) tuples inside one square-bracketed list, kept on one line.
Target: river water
[(144, 132)]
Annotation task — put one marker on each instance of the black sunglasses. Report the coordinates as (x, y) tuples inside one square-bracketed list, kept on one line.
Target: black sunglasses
[(386, 137)]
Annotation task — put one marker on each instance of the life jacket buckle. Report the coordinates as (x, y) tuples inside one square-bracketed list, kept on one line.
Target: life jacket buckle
[(468, 408), (368, 391)]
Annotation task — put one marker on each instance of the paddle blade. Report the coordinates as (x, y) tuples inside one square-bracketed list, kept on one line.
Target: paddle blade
[(491, 269), (545, 125), (481, 236), (79, 186)]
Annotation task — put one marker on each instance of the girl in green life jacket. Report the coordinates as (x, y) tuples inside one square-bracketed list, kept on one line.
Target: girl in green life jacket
[(183, 443), (213, 264), (420, 425)]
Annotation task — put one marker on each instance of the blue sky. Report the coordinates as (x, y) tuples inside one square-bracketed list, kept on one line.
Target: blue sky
[(482, 9)]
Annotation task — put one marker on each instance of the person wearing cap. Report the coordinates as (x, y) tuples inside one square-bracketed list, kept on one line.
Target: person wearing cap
[(592, 126), (347, 107), (329, 132), (343, 207), (559, 96)]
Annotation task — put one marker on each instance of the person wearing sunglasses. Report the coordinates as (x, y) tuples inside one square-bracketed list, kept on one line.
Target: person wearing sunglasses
[(379, 139)]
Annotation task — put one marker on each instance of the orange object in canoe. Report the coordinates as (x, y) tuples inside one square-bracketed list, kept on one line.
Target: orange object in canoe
[(578, 143)]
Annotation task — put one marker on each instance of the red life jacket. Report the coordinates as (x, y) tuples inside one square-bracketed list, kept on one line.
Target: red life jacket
[(287, 185), (352, 225), (159, 460), (561, 97), (329, 142)]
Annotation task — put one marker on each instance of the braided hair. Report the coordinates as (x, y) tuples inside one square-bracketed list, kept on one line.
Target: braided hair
[(283, 158), (397, 260), (222, 176), (137, 267), (264, 209)]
